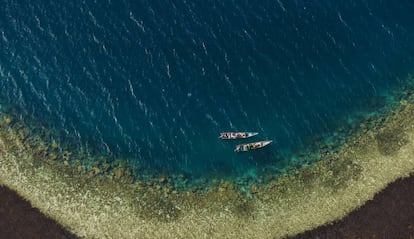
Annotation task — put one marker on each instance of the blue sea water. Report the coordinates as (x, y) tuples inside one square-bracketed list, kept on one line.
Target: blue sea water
[(154, 82)]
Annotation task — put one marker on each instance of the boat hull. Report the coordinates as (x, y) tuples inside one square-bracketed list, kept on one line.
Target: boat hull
[(252, 146), (237, 135)]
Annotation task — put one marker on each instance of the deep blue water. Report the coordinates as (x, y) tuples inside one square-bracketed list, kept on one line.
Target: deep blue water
[(156, 81)]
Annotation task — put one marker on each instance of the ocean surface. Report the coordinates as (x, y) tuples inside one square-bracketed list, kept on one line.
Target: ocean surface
[(155, 82)]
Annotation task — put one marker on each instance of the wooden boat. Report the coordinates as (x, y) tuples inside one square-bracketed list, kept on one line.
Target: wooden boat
[(237, 135), (252, 146)]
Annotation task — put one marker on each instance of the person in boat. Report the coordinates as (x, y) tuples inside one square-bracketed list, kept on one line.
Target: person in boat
[(243, 147), (256, 145)]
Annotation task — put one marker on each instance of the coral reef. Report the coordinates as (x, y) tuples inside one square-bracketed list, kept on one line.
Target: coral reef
[(111, 199)]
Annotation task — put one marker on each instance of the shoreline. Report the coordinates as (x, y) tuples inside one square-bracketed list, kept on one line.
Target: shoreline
[(93, 204), (389, 213)]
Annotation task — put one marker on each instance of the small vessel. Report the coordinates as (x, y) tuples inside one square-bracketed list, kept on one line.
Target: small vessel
[(252, 146), (237, 135)]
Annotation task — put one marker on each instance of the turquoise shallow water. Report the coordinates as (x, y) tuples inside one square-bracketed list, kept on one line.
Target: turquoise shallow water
[(155, 82)]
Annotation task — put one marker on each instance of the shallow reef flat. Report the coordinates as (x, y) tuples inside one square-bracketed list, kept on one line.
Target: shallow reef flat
[(99, 203)]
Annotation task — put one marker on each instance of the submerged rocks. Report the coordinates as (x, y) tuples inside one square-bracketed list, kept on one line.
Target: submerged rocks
[(7, 121), (118, 173), (66, 155), (254, 189), (52, 156), (162, 180), (54, 145), (123, 175), (389, 141)]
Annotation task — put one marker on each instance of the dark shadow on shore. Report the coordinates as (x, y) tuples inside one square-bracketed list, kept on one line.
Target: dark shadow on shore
[(389, 215), (18, 219)]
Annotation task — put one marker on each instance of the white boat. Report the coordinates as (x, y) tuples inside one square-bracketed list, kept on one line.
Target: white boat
[(237, 135), (252, 146)]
